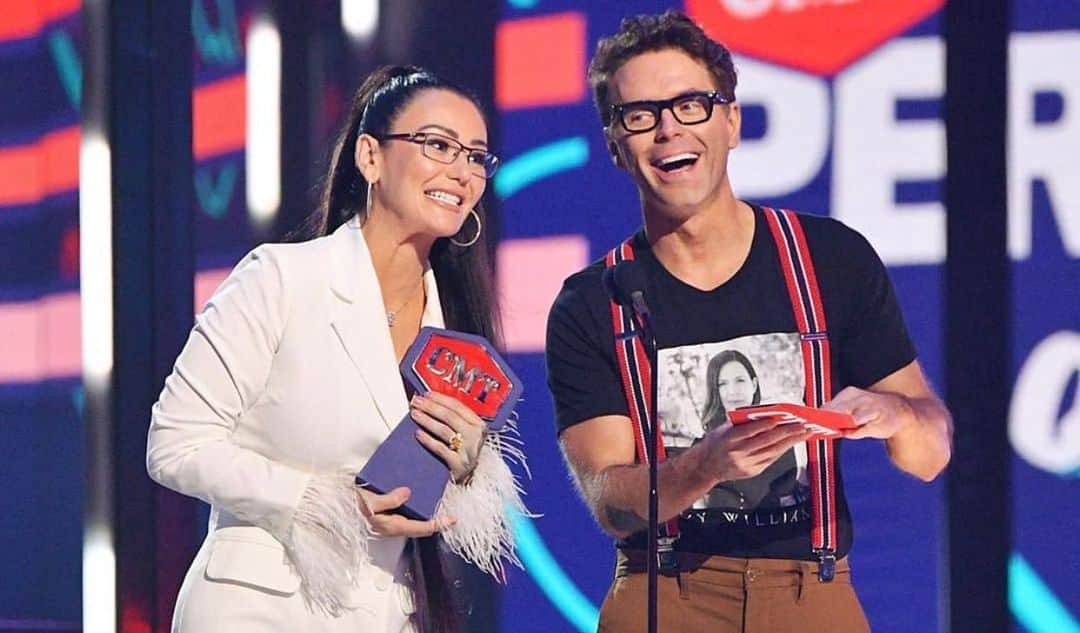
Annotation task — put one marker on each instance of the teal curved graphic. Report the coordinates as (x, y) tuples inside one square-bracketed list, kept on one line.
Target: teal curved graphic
[(1034, 604), (213, 193), (539, 163), (220, 45), (553, 581), (523, 4), (68, 65)]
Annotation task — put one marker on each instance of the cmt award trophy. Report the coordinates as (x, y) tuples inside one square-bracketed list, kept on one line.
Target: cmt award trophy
[(463, 366)]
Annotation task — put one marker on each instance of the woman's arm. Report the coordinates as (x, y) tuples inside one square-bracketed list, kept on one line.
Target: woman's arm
[(218, 376), (477, 506)]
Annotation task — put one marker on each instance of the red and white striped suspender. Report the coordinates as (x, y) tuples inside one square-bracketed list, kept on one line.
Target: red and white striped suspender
[(805, 297), (809, 312), (636, 372)]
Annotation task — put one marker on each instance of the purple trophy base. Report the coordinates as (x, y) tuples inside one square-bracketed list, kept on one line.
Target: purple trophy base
[(463, 366), (402, 461)]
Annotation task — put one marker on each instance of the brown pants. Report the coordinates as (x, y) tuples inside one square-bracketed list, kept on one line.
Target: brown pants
[(716, 594)]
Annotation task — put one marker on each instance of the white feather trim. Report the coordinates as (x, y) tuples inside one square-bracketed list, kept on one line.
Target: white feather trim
[(327, 542), (483, 534)]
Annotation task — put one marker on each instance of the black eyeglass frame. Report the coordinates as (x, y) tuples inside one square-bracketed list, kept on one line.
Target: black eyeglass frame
[(712, 97), (490, 164)]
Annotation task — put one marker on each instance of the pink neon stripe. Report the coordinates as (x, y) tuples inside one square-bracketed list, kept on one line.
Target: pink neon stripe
[(62, 334), (19, 335), (530, 275), (42, 339), (206, 282)]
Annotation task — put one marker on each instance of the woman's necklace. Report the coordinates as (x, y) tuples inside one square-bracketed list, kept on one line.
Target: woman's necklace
[(392, 314)]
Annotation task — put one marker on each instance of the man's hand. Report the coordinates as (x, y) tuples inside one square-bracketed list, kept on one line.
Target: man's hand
[(744, 451), (903, 410), (600, 452), (879, 415)]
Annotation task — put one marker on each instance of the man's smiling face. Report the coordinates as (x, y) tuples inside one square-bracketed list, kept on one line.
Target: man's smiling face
[(678, 168)]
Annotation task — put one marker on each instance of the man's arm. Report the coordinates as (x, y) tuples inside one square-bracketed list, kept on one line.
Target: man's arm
[(903, 410), (600, 453)]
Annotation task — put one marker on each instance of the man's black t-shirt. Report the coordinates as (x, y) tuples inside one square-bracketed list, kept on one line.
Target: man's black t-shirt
[(731, 346)]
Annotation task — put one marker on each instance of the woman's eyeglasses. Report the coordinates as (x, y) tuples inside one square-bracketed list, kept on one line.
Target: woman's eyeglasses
[(443, 149)]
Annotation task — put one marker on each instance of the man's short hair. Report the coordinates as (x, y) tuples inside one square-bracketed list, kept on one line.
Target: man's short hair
[(647, 33)]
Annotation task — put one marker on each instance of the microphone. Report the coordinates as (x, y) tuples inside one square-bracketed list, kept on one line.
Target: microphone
[(625, 284)]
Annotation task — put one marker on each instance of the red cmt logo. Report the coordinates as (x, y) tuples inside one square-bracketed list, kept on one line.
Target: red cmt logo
[(465, 371), (817, 36)]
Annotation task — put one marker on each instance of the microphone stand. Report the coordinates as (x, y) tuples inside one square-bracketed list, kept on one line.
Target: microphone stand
[(652, 563)]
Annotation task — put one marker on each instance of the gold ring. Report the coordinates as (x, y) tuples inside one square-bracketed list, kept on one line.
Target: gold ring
[(456, 440)]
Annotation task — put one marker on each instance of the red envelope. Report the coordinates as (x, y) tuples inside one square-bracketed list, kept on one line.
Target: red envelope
[(826, 424)]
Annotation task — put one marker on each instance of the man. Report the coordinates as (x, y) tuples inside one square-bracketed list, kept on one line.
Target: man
[(760, 527)]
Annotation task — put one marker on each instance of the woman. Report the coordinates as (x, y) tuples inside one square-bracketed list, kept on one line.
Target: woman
[(733, 383), (290, 381)]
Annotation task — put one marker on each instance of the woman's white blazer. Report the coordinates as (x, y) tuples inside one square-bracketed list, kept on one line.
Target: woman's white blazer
[(289, 374)]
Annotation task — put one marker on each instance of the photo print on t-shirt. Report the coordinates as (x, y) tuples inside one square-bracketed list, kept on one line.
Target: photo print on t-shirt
[(699, 384)]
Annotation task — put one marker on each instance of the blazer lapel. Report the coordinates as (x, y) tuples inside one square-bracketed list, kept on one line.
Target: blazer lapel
[(433, 315), (358, 318)]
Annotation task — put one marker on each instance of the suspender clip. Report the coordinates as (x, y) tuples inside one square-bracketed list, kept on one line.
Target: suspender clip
[(826, 565), (666, 558)]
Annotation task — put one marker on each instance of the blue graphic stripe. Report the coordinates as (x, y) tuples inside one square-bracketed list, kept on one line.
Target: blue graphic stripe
[(523, 4), (553, 581), (1034, 604), (539, 163)]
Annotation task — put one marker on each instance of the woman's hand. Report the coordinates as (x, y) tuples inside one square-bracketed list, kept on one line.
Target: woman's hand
[(378, 510), (451, 430)]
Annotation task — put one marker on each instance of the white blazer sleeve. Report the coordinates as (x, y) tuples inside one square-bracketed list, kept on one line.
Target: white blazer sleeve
[(218, 376)]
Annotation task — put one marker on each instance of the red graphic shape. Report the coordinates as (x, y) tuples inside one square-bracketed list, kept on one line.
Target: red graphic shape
[(540, 61), (817, 36), (69, 253), (219, 117), (26, 19), (50, 165), (463, 370), (47, 166)]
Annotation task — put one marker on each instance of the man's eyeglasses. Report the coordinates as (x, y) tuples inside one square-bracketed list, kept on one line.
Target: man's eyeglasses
[(689, 109), (444, 149)]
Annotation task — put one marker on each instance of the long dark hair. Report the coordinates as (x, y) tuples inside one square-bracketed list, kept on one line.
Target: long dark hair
[(464, 276), (715, 413)]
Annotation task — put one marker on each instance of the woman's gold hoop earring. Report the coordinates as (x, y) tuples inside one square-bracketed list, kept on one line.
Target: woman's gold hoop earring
[(479, 228)]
